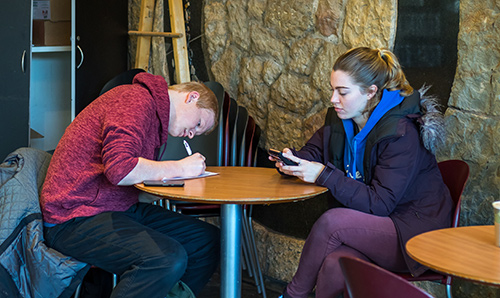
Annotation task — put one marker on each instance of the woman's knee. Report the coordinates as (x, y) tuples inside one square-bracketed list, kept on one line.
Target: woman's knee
[(337, 218)]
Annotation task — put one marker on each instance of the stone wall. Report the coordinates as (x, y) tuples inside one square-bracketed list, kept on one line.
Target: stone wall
[(474, 108), (275, 57)]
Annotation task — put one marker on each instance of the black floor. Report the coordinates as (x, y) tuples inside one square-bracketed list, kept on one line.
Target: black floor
[(248, 288)]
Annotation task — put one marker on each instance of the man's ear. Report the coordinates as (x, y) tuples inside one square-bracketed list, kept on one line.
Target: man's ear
[(372, 90), (193, 96)]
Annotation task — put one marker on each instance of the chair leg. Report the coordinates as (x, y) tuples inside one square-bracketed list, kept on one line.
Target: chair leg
[(115, 280), (245, 264), (248, 218), (448, 291), (247, 249), (78, 290), (346, 292)]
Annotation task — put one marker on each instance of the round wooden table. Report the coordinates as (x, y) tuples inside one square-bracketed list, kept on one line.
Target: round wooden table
[(466, 252), (231, 187)]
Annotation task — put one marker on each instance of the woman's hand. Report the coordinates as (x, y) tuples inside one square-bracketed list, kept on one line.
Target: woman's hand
[(307, 171)]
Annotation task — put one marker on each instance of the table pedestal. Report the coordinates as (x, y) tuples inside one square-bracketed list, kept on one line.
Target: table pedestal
[(230, 251)]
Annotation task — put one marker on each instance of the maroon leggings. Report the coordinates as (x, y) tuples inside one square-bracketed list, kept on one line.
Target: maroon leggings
[(344, 232)]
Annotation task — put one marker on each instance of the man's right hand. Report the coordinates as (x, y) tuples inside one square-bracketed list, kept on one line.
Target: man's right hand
[(193, 165)]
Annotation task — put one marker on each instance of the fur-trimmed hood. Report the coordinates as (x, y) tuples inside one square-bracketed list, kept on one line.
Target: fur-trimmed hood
[(432, 127)]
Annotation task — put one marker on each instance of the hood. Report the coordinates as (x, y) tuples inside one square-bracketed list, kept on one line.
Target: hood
[(355, 143), (158, 88), (422, 108), (432, 127)]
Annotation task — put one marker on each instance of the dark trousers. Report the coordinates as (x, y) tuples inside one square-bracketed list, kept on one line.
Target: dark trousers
[(147, 246)]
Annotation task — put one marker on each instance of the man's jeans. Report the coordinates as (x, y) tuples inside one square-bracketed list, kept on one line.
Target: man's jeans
[(147, 246)]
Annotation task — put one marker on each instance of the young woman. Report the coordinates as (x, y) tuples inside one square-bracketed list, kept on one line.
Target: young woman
[(376, 158)]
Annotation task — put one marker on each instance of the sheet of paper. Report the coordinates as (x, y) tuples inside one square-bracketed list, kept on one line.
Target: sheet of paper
[(206, 174)]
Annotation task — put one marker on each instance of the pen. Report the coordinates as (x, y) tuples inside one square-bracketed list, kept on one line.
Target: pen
[(188, 148)]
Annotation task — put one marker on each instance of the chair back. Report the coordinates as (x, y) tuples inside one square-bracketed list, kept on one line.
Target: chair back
[(230, 113), (455, 174), (364, 279), (121, 79), (219, 92), (248, 157), (238, 137)]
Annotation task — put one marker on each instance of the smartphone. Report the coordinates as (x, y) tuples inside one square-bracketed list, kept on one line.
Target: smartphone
[(279, 155), (166, 183)]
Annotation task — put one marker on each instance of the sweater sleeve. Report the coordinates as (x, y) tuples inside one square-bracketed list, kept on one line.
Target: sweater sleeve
[(124, 131)]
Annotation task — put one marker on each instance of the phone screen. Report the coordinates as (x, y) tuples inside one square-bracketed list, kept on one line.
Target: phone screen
[(277, 154)]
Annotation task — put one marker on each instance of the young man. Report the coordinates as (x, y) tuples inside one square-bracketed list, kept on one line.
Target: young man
[(90, 206)]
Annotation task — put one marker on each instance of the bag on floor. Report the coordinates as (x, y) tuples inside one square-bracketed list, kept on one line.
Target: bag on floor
[(181, 290)]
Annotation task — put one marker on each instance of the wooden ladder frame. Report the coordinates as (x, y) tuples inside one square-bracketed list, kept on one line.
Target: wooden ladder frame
[(178, 36)]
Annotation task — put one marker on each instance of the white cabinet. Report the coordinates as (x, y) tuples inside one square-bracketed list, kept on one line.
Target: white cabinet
[(52, 94)]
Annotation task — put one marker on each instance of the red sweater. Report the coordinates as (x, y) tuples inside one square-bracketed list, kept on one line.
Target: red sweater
[(101, 146)]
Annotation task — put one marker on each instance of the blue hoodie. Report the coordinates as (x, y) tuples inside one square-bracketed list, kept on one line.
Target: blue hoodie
[(355, 143)]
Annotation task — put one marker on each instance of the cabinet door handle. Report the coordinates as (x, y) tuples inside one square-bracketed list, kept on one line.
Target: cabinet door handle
[(23, 69), (81, 54)]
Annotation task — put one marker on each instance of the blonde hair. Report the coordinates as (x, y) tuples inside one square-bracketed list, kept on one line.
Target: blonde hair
[(207, 98), (379, 67)]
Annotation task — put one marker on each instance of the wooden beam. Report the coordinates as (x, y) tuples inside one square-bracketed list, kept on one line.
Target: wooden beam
[(179, 45), (160, 34), (144, 42)]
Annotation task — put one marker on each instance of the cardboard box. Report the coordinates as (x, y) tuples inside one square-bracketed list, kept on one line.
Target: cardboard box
[(54, 10), (60, 10), (48, 33), (38, 38)]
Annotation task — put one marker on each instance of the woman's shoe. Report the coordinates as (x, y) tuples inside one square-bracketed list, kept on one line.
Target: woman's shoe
[(285, 294)]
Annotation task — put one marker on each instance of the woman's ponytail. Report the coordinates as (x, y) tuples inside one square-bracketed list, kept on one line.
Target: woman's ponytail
[(396, 79)]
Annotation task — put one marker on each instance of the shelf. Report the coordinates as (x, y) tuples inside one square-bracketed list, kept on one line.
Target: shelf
[(50, 49)]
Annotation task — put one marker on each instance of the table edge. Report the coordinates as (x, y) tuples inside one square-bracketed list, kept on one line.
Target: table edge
[(444, 271)]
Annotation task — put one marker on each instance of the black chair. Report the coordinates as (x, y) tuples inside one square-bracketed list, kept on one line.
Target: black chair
[(230, 111), (238, 136), (121, 79), (248, 158)]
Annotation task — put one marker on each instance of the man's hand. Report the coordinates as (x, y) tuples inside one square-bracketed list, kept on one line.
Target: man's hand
[(193, 165)]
